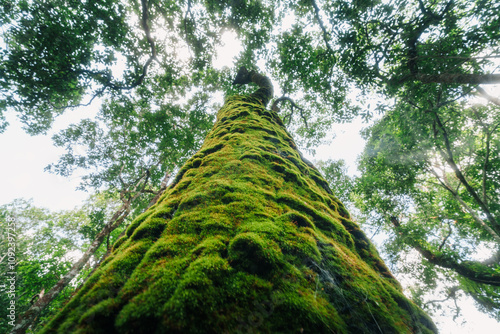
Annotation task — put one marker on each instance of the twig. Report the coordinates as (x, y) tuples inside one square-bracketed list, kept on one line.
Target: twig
[(321, 24), (446, 238), (492, 99), (274, 107)]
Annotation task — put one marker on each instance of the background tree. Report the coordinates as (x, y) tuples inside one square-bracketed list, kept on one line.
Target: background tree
[(47, 245), (409, 189), (436, 191), (427, 164)]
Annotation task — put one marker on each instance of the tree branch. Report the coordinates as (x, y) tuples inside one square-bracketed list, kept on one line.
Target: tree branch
[(458, 78), (446, 237), (472, 270), (275, 107), (492, 99), (322, 25), (444, 183), (265, 91)]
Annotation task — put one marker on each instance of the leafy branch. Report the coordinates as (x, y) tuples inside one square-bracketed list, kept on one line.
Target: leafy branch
[(105, 78), (322, 25)]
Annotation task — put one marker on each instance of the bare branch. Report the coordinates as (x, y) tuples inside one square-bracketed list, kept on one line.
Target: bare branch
[(322, 25), (492, 99), (275, 107)]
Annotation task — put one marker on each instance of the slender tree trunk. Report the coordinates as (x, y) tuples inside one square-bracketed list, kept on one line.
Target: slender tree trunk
[(247, 238), (27, 319)]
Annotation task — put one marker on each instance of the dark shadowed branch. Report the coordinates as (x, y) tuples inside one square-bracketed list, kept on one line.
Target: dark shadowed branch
[(472, 270), (322, 25), (287, 118)]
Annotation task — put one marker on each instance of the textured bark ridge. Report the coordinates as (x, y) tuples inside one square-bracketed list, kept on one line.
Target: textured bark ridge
[(247, 239)]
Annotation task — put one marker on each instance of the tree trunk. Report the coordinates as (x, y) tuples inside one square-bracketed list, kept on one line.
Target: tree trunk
[(247, 238)]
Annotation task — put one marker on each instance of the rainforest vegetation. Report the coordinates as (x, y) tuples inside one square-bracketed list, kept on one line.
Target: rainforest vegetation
[(428, 178)]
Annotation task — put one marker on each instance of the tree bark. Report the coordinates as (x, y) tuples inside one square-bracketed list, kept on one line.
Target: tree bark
[(247, 238)]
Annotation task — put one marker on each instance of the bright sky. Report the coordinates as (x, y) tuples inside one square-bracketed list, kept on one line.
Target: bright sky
[(24, 159)]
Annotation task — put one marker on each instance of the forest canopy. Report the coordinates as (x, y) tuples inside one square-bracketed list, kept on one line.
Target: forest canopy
[(429, 173)]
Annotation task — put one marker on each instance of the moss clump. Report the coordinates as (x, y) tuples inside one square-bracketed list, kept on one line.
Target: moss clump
[(248, 238)]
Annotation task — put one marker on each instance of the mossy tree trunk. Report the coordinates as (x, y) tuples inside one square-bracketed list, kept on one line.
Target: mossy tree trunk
[(248, 238)]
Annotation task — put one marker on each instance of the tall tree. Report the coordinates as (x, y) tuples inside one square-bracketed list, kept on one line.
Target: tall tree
[(247, 237), (59, 54)]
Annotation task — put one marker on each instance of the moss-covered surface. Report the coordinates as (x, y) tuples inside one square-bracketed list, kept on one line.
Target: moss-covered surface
[(248, 238)]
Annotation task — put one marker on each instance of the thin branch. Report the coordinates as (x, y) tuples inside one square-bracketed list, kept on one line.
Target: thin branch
[(322, 25), (275, 107), (487, 155), (450, 230), (188, 12), (492, 99), (163, 187), (451, 294), (97, 94)]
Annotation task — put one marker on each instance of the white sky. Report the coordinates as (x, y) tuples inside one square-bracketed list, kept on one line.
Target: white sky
[(24, 158)]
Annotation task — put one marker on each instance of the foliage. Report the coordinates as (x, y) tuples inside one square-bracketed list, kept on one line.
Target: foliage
[(46, 245), (410, 187), (335, 171), (59, 53), (130, 137), (398, 46)]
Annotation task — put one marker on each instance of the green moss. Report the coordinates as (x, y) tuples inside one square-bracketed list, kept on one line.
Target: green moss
[(246, 239), (137, 221), (298, 219), (118, 243), (151, 229), (322, 221), (252, 253)]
